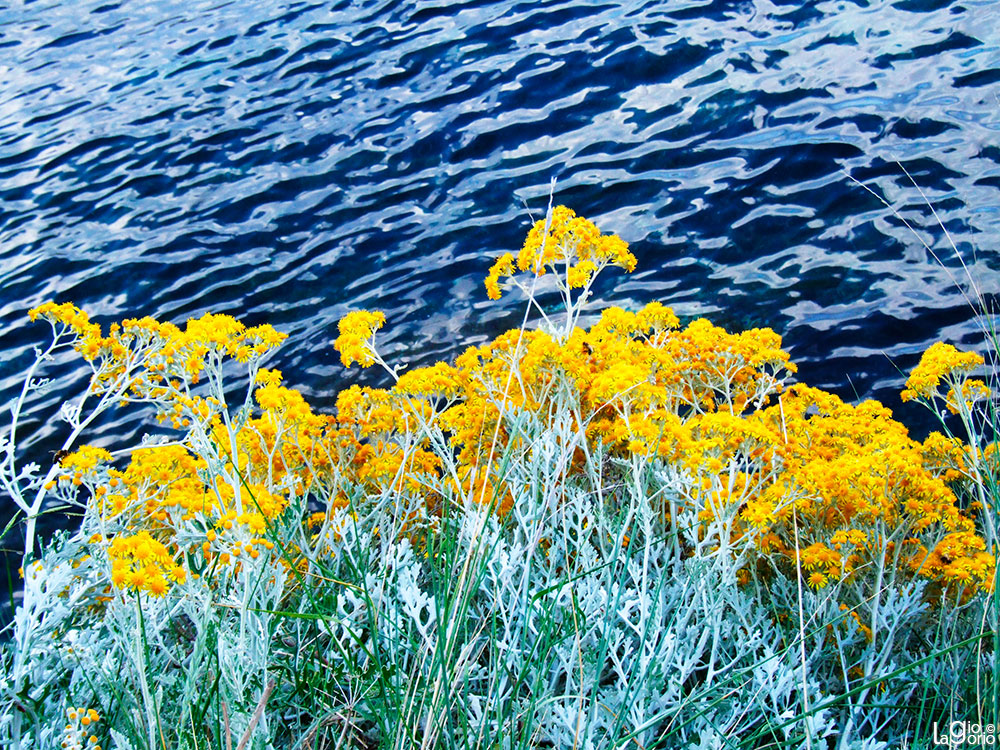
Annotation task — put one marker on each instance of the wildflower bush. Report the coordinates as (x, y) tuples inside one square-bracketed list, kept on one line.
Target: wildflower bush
[(573, 536)]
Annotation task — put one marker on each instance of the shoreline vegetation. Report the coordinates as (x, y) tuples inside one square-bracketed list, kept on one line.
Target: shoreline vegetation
[(638, 534)]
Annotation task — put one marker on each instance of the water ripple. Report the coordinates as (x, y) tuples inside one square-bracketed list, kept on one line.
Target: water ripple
[(289, 161)]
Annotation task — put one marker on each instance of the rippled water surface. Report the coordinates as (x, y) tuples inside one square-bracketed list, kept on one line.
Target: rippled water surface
[(288, 161)]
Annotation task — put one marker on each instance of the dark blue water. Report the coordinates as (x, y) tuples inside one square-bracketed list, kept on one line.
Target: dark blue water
[(289, 161)]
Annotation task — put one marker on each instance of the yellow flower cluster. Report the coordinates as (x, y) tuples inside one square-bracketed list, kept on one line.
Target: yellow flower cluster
[(78, 734), (566, 238), (504, 266), (565, 244), (82, 463), (168, 493), (357, 329), (820, 562), (946, 457), (145, 360), (156, 479), (440, 381), (960, 557), (76, 320), (944, 365), (847, 478), (824, 490), (820, 485), (633, 380), (210, 338), (142, 563), (164, 493)]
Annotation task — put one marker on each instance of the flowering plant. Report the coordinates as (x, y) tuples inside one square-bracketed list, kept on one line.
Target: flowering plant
[(640, 531)]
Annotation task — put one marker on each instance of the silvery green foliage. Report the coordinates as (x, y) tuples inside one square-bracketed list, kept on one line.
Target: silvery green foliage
[(579, 621), (600, 612), (150, 658), (46, 638)]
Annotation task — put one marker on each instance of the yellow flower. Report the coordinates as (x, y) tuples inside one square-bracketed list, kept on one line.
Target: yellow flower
[(119, 576), (156, 586), (657, 317), (142, 563), (565, 239), (758, 513), (268, 377), (817, 580), (940, 362), (504, 266), (357, 329), (85, 459), (438, 380), (580, 274)]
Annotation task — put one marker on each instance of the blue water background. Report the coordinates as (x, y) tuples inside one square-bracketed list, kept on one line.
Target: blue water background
[(290, 161)]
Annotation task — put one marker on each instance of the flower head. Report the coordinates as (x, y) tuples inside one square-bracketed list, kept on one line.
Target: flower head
[(940, 362), (357, 330)]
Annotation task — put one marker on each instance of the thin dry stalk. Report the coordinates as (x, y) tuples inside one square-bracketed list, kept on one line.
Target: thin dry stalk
[(258, 712)]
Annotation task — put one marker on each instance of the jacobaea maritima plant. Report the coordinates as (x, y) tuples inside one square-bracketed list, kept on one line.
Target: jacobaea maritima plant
[(574, 537)]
